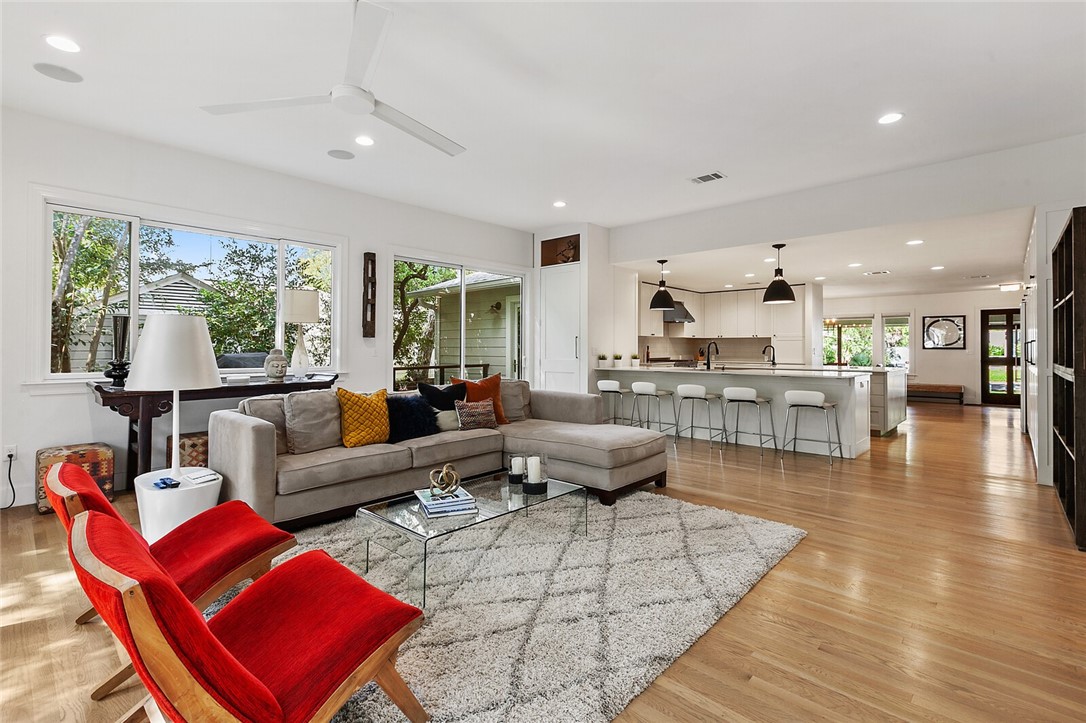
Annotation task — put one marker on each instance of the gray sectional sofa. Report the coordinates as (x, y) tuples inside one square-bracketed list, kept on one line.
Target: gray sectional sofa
[(252, 449)]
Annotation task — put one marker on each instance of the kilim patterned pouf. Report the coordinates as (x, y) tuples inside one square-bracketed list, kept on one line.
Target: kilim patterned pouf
[(193, 449), (95, 457)]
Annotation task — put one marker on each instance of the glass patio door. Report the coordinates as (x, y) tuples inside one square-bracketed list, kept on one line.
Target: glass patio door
[(1001, 360)]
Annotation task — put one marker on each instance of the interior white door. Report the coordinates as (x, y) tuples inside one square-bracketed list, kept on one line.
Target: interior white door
[(560, 344)]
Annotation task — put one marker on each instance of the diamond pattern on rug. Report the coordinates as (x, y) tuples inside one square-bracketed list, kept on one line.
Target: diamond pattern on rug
[(528, 620)]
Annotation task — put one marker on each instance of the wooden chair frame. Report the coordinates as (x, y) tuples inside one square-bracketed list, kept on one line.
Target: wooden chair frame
[(252, 568), (188, 696)]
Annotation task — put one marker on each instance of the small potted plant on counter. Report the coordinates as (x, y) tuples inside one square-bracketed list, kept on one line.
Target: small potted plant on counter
[(602, 360), (635, 360), (618, 360)]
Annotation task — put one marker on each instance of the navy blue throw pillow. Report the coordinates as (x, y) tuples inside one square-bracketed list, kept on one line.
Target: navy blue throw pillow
[(444, 399), (409, 416)]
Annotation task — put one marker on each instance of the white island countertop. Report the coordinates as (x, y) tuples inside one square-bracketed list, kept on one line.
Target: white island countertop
[(744, 371)]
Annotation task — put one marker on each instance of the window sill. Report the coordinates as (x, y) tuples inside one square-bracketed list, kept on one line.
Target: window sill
[(54, 387)]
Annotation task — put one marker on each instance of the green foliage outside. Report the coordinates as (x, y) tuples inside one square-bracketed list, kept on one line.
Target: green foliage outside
[(413, 318), (895, 339), (855, 345)]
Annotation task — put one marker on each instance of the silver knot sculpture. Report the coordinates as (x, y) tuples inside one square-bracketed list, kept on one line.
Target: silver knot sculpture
[(444, 482)]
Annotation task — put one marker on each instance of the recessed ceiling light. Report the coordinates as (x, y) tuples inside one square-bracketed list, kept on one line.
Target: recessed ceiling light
[(820, 278), (852, 266), (914, 242), (769, 260), (364, 141), (559, 204), (749, 276), (62, 43), (937, 268), (728, 286), (341, 155), (57, 72), (891, 118)]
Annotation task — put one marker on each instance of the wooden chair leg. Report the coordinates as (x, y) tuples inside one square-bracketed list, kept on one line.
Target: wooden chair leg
[(137, 713), (86, 616), (395, 688), (262, 570), (107, 687)]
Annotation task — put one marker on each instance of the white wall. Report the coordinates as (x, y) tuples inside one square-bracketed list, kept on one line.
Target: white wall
[(47, 152), (932, 366), (1014, 178)]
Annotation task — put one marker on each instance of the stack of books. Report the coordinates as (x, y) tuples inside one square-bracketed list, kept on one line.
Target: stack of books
[(458, 503)]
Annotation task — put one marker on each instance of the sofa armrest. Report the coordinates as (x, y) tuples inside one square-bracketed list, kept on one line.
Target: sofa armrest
[(242, 449), (567, 407)]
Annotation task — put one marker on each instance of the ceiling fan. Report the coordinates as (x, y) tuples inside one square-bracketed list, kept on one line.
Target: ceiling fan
[(367, 35)]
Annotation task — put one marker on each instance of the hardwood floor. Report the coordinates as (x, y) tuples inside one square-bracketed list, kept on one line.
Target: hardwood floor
[(937, 581)]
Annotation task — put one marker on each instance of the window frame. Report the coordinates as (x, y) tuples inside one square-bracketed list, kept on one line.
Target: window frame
[(836, 324), (882, 320), (462, 263), (46, 199)]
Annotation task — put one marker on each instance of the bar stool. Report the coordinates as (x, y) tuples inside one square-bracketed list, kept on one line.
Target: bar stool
[(610, 389), (649, 392), (694, 393), (804, 399), (743, 396)]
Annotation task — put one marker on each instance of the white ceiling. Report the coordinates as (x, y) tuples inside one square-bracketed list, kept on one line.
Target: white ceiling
[(991, 245), (609, 106)]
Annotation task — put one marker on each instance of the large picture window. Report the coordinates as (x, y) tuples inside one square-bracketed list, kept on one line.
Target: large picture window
[(451, 321), (847, 342), (235, 281)]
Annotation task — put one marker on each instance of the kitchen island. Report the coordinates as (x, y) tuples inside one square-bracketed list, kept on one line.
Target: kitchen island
[(850, 389)]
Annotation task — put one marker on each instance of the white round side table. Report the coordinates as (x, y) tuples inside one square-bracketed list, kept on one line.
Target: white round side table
[(162, 510)]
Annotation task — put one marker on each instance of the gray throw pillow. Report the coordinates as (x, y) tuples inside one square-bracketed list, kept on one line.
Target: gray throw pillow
[(312, 421), (515, 396), (269, 407), (447, 421)]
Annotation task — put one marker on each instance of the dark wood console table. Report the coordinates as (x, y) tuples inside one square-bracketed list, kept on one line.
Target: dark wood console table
[(141, 408)]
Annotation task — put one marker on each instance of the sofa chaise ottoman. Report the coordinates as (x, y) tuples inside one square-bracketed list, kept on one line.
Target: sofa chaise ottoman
[(286, 459)]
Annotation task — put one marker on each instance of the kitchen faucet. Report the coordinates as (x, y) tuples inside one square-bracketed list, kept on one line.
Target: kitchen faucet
[(709, 354), (772, 354)]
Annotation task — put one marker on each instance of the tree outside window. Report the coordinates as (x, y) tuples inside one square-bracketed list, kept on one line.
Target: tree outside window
[(847, 342)]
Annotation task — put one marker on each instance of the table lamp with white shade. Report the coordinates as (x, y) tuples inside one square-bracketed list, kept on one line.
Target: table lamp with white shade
[(301, 306), (174, 353)]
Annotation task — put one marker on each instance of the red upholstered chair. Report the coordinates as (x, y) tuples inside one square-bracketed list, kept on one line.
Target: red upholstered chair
[(205, 556), (293, 646)]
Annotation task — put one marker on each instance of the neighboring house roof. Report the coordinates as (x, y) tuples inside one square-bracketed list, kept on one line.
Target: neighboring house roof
[(169, 293), (476, 279)]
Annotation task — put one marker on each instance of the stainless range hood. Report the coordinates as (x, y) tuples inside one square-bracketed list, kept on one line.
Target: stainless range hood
[(679, 315)]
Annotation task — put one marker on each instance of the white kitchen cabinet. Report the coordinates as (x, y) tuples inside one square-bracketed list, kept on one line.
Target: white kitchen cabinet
[(729, 315), (753, 318), (710, 305), (719, 309), (790, 351), (649, 323), (788, 318), (695, 305)]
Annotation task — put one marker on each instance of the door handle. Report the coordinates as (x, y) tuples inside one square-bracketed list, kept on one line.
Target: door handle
[(576, 347)]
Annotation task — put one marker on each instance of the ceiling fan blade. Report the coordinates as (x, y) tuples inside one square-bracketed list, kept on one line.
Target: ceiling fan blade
[(407, 124), (367, 36), (226, 108)]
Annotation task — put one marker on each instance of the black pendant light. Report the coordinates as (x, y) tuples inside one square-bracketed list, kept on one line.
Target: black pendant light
[(779, 292), (661, 300)]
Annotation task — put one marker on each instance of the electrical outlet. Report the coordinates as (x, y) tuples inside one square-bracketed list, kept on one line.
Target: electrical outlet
[(13, 450)]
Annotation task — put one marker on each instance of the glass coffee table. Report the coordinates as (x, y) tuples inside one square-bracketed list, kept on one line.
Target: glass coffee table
[(402, 528)]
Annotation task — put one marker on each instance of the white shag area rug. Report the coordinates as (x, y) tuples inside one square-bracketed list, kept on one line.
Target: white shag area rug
[(528, 620)]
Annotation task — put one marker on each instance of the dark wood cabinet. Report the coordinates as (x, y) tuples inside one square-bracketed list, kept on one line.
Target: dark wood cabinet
[(1069, 372)]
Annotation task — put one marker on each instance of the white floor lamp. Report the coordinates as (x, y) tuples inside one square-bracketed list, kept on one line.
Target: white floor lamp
[(174, 353), (301, 306)]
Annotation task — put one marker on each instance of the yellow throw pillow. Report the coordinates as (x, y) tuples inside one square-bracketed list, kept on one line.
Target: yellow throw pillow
[(363, 417)]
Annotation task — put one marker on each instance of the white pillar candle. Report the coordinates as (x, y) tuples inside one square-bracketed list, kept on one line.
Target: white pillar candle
[(534, 470), (517, 465)]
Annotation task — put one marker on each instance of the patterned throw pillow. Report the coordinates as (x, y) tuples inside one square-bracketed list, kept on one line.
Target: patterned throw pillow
[(476, 415), (364, 417), (489, 388)]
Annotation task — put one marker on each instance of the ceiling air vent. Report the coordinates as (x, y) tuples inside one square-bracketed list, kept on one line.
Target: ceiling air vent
[(707, 177), (978, 276), (875, 273)]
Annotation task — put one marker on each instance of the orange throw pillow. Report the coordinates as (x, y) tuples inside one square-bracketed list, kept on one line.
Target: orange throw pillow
[(489, 388)]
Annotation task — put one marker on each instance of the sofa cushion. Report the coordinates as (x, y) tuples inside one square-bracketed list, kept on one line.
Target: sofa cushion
[(298, 472), (489, 388), (598, 445), (312, 420), (437, 449), (476, 415), (516, 395), (409, 416), (365, 417), (442, 398), (269, 407)]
